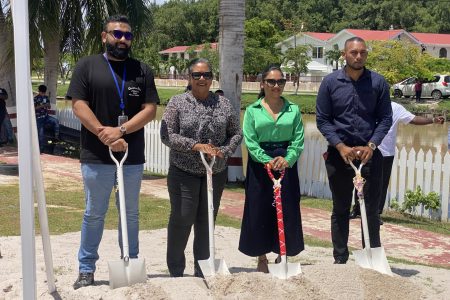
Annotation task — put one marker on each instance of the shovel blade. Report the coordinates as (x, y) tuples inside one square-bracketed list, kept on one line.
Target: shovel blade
[(284, 270), (373, 258), (122, 273), (212, 267)]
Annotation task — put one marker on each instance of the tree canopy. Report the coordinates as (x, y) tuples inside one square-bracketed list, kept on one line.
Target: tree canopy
[(397, 60)]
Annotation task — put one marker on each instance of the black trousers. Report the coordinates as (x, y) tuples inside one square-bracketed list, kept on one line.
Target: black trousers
[(387, 169), (340, 177), (189, 206), (259, 231)]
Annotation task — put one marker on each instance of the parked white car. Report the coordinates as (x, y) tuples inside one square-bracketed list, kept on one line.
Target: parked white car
[(437, 88)]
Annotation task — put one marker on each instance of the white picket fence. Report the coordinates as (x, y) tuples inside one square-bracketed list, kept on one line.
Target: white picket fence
[(410, 169)]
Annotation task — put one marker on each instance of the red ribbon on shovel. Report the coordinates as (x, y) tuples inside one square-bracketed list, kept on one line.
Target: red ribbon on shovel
[(283, 269), (278, 207)]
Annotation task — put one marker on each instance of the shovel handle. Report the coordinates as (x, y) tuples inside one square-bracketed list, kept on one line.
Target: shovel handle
[(207, 165), (269, 172), (118, 163), (122, 206), (278, 208), (357, 170)]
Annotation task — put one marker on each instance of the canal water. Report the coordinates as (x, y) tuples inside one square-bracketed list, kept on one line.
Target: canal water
[(432, 137)]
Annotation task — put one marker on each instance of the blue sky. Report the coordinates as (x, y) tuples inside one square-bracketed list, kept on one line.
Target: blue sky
[(159, 1)]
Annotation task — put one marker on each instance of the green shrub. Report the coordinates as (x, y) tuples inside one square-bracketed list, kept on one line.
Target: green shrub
[(394, 205), (417, 197)]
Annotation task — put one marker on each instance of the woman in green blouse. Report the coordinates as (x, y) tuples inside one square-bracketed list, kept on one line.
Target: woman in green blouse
[(273, 133)]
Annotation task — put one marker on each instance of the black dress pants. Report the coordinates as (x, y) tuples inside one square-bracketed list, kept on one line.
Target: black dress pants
[(387, 169), (189, 206), (340, 176)]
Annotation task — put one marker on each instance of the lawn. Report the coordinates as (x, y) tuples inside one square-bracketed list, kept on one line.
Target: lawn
[(306, 101), (65, 212)]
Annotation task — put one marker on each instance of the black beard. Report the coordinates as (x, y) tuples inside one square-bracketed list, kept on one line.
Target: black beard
[(116, 52)]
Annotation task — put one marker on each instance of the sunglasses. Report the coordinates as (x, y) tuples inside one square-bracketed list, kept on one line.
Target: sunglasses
[(198, 75), (271, 82), (119, 34)]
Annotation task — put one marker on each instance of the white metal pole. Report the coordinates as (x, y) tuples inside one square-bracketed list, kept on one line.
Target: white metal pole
[(42, 207), (23, 92)]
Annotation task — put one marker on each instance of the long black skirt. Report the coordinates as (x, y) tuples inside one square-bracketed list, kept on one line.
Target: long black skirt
[(259, 231)]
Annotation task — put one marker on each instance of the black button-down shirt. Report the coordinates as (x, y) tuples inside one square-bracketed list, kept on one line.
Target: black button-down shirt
[(353, 112)]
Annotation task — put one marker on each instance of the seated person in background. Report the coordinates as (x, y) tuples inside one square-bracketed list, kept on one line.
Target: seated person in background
[(43, 120), (6, 132)]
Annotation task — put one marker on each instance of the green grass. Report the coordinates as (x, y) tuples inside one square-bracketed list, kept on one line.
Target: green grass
[(237, 187), (61, 89), (402, 219), (68, 213), (323, 204), (306, 101), (445, 105), (416, 222)]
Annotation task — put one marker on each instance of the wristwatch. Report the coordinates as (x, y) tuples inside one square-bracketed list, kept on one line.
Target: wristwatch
[(372, 146), (123, 130)]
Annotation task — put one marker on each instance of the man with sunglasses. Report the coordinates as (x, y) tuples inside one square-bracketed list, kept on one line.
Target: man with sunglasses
[(354, 114), (114, 96)]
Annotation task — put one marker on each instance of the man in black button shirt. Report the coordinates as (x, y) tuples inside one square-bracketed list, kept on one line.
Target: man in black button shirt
[(114, 96), (354, 114)]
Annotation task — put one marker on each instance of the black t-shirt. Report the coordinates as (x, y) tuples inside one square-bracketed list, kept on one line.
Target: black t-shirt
[(93, 82)]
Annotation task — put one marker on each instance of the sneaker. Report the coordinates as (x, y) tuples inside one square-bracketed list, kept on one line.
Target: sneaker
[(84, 279)]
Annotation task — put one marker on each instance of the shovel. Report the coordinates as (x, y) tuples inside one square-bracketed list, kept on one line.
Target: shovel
[(211, 266), (369, 258), (282, 270), (126, 271)]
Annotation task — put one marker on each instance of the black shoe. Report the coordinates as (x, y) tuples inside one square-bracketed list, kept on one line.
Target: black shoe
[(198, 272), (84, 279), (355, 213), (278, 259), (340, 261)]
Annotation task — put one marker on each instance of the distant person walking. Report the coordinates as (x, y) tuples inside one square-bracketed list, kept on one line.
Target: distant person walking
[(418, 90)]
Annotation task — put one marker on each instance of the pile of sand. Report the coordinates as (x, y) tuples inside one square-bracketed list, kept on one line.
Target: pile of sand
[(320, 278)]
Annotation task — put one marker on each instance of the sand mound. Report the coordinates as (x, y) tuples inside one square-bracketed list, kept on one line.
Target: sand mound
[(320, 278)]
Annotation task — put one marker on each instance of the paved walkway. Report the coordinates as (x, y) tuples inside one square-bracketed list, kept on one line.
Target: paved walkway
[(398, 241)]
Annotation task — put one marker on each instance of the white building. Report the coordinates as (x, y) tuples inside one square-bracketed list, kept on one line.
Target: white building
[(318, 42), (437, 45)]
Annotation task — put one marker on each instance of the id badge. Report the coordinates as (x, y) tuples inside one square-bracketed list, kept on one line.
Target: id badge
[(122, 120)]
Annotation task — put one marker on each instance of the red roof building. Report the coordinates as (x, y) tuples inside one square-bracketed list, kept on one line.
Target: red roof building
[(182, 51)]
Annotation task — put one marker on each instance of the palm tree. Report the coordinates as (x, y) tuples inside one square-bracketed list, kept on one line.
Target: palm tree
[(61, 26), (231, 51), (7, 74)]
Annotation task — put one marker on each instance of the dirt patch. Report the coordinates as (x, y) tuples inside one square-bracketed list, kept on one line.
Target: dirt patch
[(320, 279)]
